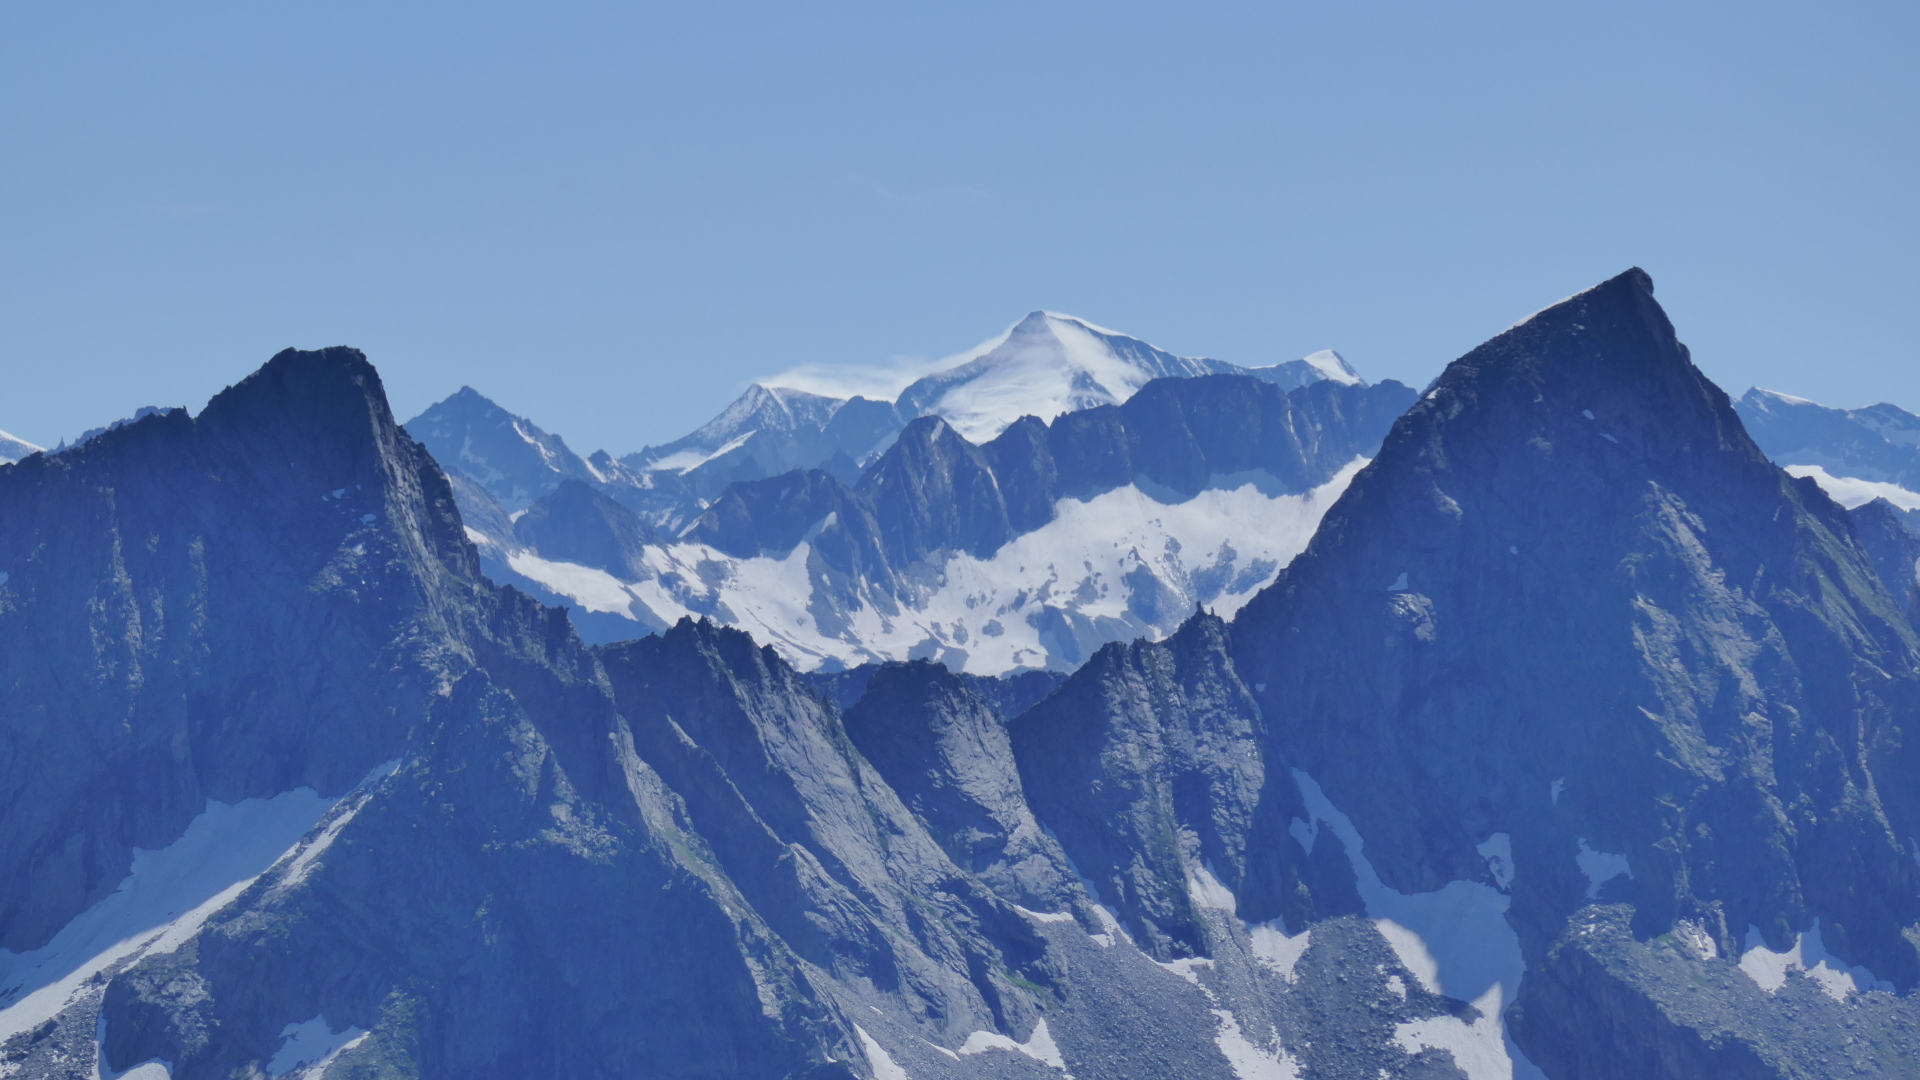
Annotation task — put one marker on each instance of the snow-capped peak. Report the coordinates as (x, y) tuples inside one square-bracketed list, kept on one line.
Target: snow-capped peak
[(760, 408), (12, 449), (1333, 366), (1761, 398), (1045, 365)]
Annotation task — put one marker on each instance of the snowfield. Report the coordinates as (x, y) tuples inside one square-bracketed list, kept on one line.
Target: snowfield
[(1119, 566)]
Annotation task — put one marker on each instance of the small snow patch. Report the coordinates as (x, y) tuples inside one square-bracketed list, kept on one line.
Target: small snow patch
[(1498, 851), (1045, 916), (1251, 1062), (1039, 1045), (1207, 891), (1600, 868), (1274, 950), (1305, 831), (1479, 1049), (312, 1044), (1853, 492), (1188, 968), (163, 901), (882, 1063), (1808, 955)]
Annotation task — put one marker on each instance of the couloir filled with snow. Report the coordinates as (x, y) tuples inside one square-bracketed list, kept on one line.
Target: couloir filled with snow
[(1119, 566)]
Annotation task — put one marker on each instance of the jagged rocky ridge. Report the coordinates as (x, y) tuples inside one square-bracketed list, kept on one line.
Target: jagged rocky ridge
[(1857, 455), (1576, 741), (1028, 551), (1045, 365)]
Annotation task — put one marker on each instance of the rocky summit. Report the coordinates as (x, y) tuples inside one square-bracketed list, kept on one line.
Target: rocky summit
[(1577, 741)]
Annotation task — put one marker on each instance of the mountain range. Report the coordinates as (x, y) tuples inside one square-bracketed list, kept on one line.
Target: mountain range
[(846, 531), (1575, 738)]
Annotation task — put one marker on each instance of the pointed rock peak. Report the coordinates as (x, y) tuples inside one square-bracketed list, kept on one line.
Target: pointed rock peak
[(1037, 324), (325, 386), (925, 431), (1333, 367), (1766, 400), (1604, 361)]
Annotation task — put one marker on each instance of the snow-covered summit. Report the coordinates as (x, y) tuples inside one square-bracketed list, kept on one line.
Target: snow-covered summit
[(1325, 364), (761, 409), (12, 449), (1047, 364)]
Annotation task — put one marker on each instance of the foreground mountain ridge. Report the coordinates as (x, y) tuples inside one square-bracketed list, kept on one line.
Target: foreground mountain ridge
[(1569, 684)]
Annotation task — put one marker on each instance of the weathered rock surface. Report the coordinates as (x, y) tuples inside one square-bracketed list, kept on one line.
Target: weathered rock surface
[(1579, 743)]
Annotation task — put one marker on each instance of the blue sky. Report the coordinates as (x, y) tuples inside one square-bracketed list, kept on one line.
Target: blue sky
[(611, 217)]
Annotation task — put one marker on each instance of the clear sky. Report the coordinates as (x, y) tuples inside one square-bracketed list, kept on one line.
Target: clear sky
[(611, 217)]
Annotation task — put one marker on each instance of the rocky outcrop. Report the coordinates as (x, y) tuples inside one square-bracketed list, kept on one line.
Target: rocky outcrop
[(1579, 741), (1571, 603), (574, 523), (216, 607), (1885, 533)]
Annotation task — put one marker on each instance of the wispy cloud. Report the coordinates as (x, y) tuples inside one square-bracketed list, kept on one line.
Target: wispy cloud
[(878, 382)]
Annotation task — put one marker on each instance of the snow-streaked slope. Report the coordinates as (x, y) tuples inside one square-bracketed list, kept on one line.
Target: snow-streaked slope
[(760, 409), (1115, 567), (163, 901), (1046, 365), (13, 449), (1857, 455), (1851, 491), (509, 455)]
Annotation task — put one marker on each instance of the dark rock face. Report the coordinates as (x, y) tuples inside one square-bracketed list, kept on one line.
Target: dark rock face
[(1147, 765), (934, 492), (577, 524), (227, 606), (1894, 548), (944, 749), (1570, 601), (1572, 681)]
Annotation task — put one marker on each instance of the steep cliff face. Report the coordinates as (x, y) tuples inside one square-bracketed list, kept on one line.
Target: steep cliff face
[(226, 606), (943, 747), (1885, 532), (524, 896), (1572, 612), (577, 524), (1578, 744), (1148, 767), (1031, 550)]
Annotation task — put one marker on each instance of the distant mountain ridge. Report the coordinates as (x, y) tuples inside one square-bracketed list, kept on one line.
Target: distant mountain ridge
[(710, 523), (1045, 365), (1581, 742), (1030, 550), (1857, 455), (13, 449)]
